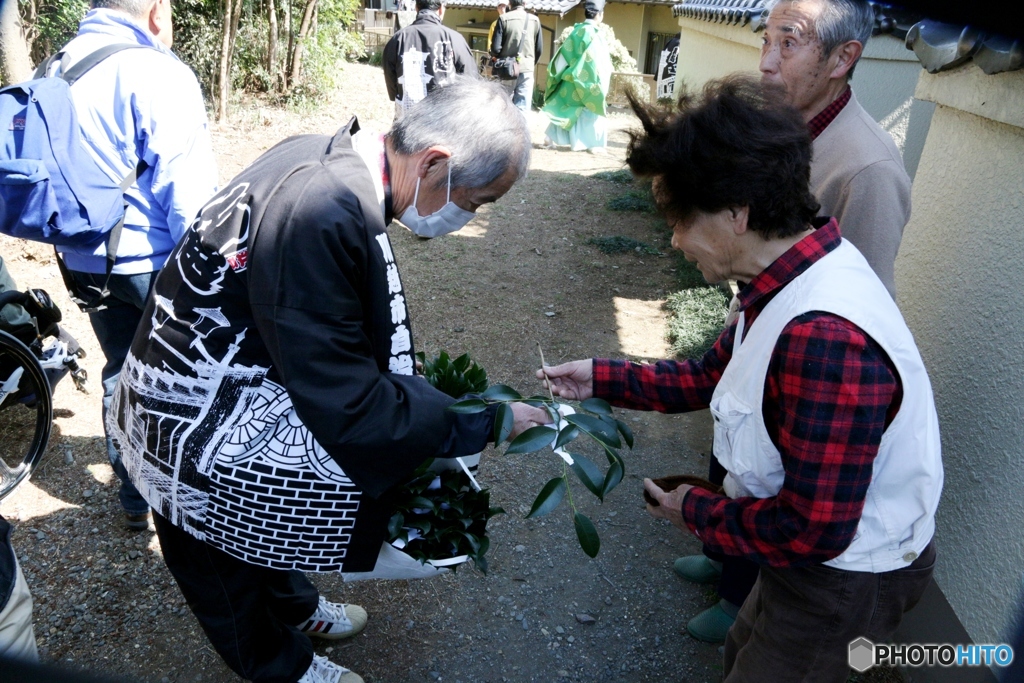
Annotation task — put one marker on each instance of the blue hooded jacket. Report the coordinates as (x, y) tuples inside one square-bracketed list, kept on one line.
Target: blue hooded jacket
[(141, 104)]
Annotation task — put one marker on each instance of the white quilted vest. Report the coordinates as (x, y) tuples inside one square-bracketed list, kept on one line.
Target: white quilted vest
[(898, 519)]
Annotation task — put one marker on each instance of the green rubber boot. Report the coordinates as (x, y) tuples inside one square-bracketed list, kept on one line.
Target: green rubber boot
[(697, 569), (714, 623)]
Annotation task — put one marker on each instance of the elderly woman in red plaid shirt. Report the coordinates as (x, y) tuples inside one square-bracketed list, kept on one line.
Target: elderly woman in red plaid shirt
[(824, 415)]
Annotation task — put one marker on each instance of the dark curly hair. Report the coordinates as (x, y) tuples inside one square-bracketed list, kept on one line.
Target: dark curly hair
[(737, 144)]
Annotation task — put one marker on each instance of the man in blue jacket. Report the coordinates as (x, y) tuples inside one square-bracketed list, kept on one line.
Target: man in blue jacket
[(137, 105)]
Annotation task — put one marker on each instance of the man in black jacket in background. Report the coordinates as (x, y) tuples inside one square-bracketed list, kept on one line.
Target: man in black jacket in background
[(424, 55)]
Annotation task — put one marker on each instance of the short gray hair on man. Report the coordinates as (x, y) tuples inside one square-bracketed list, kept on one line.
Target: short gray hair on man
[(476, 120), (135, 8), (840, 21)]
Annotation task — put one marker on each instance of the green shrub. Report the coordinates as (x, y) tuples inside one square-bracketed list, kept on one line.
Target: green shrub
[(249, 65), (635, 200), (623, 176), (454, 377), (197, 40), (688, 276), (440, 516), (619, 244), (321, 55), (56, 22), (696, 318)]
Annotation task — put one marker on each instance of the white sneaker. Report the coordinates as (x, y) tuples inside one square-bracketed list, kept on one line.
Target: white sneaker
[(333, 620), (323, 670)]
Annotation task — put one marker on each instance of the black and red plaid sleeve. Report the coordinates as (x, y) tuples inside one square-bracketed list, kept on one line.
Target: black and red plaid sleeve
[(666, 386), (829, 395)]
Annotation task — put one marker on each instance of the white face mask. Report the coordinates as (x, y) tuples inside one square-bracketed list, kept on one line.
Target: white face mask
[(448, 218)]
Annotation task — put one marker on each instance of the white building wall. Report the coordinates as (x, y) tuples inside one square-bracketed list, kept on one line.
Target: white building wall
[(959, 280)]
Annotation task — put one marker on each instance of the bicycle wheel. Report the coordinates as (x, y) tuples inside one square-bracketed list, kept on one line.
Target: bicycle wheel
[(26, 413)]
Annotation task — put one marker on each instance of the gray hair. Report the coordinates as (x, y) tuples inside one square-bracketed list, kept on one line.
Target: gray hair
[(840, 21), (476, 120), (135, 8)]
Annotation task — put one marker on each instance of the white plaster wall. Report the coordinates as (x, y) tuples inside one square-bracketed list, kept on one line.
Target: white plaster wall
[(708, 50), (884, 80), (959, 280)]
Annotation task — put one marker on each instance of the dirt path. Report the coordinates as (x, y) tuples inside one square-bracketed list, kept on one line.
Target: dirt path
[(519, 274)]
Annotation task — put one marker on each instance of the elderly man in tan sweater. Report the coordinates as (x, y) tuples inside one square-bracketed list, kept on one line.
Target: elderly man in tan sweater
[(810, 47)]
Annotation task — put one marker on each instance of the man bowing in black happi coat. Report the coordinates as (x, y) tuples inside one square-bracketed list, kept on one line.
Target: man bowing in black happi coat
[(269, 402)]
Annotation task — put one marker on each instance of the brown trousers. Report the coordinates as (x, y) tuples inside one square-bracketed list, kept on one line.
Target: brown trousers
[(798, 622)]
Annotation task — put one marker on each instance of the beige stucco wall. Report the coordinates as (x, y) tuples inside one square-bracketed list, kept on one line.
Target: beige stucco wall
[(627, 20), (959, 281), (884, 79)]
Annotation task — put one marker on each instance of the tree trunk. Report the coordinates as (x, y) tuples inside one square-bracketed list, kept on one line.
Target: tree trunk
[(272, 43), (15, 63), (224, 82), (307, 21), (291, 41), (236, 16), (232, 10)]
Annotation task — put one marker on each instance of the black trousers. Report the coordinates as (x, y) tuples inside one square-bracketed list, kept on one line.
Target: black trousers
[(247, 612), (738, 574)]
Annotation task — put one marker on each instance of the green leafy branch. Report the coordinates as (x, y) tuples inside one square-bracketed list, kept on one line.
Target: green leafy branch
[(595, 420)]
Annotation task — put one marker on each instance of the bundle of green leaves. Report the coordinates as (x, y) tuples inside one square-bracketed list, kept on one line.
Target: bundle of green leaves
[(454, 377), (440, 516)]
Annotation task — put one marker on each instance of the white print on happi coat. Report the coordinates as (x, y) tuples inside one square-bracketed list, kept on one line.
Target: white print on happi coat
[(444, 61), (230, 200), (414, 78), (667, 72), (401, 361), (220, 451)]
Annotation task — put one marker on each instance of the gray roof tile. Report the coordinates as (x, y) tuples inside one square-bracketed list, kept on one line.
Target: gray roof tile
[(737, 12), (559, 7)]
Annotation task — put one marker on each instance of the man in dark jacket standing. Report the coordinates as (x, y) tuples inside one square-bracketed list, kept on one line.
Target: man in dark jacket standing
[(424, 55), (518, 34)]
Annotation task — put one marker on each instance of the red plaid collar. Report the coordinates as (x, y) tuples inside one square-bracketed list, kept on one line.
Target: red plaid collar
[(819, 123), (796, 260)]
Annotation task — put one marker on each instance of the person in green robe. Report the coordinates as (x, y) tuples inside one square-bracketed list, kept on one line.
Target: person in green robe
[(579, 74)]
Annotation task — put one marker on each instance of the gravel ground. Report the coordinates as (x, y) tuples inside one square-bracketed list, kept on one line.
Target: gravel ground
[(520, 274)]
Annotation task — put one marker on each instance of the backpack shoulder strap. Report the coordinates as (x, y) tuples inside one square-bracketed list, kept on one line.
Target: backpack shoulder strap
[(93, 58), (44, 67)]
